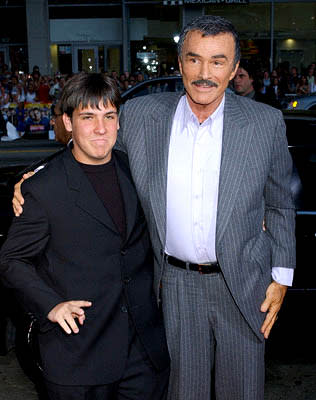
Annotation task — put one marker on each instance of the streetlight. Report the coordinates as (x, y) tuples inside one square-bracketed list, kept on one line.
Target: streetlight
[(176, 38)]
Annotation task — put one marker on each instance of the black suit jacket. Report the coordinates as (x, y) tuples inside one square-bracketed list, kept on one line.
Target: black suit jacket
[(65, 246)]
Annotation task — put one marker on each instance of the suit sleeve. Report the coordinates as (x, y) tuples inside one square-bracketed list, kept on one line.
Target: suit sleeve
[(119, 145), (22, 256), (279, 205)]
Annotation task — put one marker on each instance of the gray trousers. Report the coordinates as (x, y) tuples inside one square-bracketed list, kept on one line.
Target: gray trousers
[(208, 337)]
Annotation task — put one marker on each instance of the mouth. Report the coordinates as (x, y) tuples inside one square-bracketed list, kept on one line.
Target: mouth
[(205, 84), (99, 141)]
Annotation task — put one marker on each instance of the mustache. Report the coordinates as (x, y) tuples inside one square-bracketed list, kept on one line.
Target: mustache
[(205, 82)]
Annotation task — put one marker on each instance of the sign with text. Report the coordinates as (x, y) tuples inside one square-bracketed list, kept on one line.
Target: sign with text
[(216, 1)]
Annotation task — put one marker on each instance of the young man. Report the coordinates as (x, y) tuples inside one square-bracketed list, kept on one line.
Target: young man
[(80, 260)]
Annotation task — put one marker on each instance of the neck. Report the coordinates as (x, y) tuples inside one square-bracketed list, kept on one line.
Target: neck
[(203, 111)]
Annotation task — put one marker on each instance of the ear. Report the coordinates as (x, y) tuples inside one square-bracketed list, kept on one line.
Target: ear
[(234, 71), (180, 64), (67, 122), (118, 124)]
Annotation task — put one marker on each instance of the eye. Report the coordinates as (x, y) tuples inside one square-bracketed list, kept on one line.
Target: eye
[(109, 117)]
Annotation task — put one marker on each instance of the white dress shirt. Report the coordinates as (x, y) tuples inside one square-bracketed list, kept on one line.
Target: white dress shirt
[(192, 188)]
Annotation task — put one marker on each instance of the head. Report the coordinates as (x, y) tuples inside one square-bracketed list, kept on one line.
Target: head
[(61, 134), (208, 55), (303, 80), (14, 80), (266, 75), (293, 71), (37, 114), (90, 105), (244, 79), (30, 87), (274, 74), (132, 81), (140, 77)]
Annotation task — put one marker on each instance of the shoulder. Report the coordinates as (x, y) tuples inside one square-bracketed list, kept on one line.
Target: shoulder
[(251, 109), (46, 178), (152, 101)]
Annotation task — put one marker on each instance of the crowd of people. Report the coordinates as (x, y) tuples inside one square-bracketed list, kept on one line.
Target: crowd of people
[(24, 95), (25, 99)]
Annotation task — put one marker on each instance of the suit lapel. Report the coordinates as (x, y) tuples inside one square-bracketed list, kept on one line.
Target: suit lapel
[(159, 123), (128, 192), (84, 194), (237, 134)]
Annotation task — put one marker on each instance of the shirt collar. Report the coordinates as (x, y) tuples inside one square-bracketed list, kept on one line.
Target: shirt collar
[(190, 116)]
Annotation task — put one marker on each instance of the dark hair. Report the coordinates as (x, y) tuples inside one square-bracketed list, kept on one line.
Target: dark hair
[(84, 90), (210, 25), (248, 67)]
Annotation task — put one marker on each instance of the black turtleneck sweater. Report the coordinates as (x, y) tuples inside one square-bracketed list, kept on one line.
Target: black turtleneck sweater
[(106, 185)]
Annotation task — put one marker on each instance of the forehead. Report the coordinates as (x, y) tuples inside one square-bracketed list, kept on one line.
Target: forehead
[(242, 72), (197, 42), (102, 108)]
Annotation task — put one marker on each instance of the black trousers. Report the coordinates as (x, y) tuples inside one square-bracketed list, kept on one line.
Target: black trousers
[(140, 381)]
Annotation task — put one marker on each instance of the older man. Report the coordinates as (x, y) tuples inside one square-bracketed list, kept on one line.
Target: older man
[(209, 167)]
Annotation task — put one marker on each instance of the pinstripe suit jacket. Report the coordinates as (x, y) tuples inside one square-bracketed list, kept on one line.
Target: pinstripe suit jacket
[(254, 185)]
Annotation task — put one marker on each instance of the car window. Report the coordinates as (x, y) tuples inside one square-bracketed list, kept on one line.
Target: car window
[(157, 85), (302, 145)]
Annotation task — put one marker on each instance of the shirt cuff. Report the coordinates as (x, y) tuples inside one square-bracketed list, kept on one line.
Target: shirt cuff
[(283, 276)]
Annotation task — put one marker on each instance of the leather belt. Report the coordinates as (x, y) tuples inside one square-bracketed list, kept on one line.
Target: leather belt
[(210, 268)]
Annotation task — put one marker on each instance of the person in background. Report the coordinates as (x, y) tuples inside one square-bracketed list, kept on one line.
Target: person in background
[(245, 85), (302, 86), (30, 93), (266, 80)]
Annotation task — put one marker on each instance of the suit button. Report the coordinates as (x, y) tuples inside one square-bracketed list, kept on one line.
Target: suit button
[(127, 280), (124, 309)]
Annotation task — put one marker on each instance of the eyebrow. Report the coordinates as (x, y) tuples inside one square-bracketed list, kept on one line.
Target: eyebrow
[(191, 54), (91, 113)]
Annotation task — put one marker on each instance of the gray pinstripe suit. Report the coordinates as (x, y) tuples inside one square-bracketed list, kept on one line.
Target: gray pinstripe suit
[(254, 186)]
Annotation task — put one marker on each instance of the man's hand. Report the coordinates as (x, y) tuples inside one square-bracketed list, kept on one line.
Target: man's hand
[(65, 313), (272, 304), (18, 199)]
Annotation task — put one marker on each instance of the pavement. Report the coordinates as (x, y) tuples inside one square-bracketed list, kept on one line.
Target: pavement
[(291, 351), (295, 380)]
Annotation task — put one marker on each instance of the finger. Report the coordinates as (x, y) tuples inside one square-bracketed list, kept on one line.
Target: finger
[(17, 209), (64, 326), (269, 318), (28, 175), (268, 328), (71, 323), (74, 309), (80, 303), (265, 305), (81, 319)]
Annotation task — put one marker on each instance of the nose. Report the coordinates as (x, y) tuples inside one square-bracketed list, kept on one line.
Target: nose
[(99, 126), (204, 70), (236, 79)]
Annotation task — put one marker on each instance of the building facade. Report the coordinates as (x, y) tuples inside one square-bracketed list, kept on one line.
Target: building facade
[(93, 35)]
